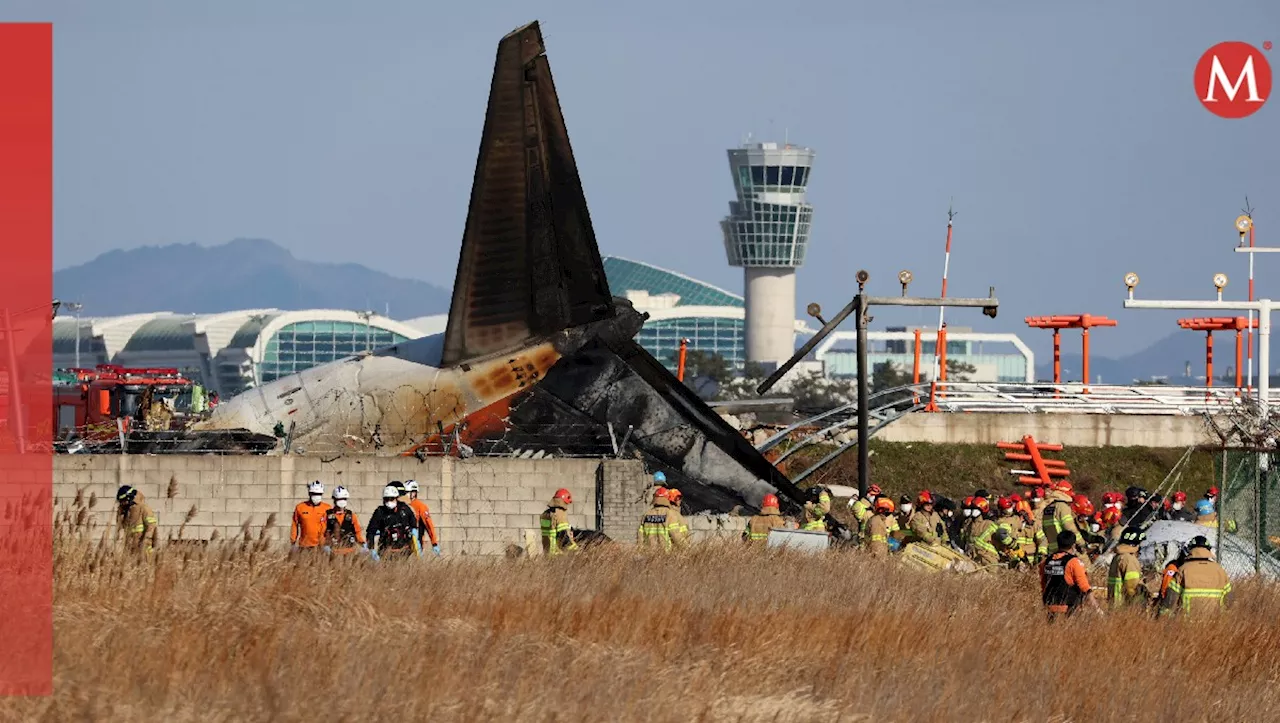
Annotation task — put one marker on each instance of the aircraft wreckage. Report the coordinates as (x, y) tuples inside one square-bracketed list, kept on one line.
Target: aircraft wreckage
[(535, 339)]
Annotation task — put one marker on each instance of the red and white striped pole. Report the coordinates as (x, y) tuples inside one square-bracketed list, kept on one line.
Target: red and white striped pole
[(939, 347)]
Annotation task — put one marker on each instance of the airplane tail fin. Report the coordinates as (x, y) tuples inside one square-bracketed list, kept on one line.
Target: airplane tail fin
[(529, 266)]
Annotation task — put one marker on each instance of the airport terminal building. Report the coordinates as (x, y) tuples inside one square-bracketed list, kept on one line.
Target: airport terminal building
[(233, 351)]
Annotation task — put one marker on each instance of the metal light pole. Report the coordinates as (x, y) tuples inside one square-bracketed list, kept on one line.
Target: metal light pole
[(859, 306), (75, 308)]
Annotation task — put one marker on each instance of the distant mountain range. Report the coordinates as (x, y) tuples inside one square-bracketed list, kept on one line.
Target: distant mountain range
[(241, 274)]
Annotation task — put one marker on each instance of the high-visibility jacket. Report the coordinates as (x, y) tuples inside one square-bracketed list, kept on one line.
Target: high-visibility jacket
[(677, 522), (757, 531), (427, 527), (1058, 517), (815, 513), (307, 529), (139, 525), (877, 538), (1200, 587), (1124, 578), (557, 537), (927, 527), (862, 513), (342, 529), (660, 529), (981, 545)]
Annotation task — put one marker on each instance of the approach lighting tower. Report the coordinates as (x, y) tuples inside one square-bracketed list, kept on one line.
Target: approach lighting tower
[(766, 233)]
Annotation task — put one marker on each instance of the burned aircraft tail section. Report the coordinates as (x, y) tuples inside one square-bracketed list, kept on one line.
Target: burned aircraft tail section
[(529, 266)]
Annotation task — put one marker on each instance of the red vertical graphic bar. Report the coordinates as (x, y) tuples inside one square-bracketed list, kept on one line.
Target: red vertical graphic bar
[(26, 363)]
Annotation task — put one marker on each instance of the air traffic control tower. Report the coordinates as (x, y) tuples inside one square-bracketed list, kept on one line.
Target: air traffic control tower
[(766, 233)]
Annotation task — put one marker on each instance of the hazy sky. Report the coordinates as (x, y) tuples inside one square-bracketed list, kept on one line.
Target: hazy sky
[(1068, 133)]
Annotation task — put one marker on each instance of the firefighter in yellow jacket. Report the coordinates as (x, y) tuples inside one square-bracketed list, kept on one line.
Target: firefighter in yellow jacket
[(982, 535), (1058, 516), (1124, 578), (876, 538), (659, 529), (864, 508), (925, 525), (557, 536), (770, 518), (136, 520), (677, 517), (815, 511), (1200, 588)]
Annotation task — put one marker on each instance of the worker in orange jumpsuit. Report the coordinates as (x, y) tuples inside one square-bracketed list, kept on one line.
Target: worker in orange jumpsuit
[(878, 528), (307, 530), (1064, 582), (342, 533), (426, 527), (770, 518)]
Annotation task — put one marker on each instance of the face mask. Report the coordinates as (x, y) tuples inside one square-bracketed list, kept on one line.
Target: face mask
[(342, 504), (315, 499), (906, 508), (391, 504), (1177, 505), (1095, 527)]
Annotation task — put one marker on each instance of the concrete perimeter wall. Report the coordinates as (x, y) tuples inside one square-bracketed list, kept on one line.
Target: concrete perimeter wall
[(1072, 430), (480, 506)]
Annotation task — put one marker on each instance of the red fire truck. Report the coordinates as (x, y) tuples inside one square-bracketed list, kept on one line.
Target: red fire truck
[(88, 402)]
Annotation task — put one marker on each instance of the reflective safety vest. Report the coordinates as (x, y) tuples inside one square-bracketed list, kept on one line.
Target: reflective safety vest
[(555, 530), (1125, 569), (1201, 586), (982, 539), (815, 513), (341, 528)]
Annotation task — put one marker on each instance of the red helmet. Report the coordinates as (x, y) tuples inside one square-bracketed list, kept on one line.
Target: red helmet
[(769, 501), (660, 493), (981, 504), (925, 498), (1037, 492), (1006, 503), (874, 490), (563, 494), (968, 502), (1213, 492), (674, 495), (884, 504), (1111, 516), (1016, 498), (1063, 486), (1096, 519), (1108, 497), (1179, 496), (1081, 506)]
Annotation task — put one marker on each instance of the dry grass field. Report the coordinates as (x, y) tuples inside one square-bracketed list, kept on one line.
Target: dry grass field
[(720, 633)]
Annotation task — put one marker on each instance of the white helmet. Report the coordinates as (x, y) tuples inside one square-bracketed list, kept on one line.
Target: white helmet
[(341, 493), (411, 485), (315, 488), (390, 492)]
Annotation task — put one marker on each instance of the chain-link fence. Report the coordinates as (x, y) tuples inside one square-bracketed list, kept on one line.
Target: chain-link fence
[(1249, 504)]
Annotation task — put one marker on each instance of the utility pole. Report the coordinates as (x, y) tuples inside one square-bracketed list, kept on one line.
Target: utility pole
[(859, 306)]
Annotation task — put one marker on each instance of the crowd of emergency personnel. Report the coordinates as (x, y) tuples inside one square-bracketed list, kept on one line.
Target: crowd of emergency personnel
[(1053, 531)]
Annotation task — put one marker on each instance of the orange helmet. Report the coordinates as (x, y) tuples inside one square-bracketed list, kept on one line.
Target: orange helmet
[(925, 498), (769, 501), (563, 494), (674, 495), (1063, 486), (1024, 507), (884, 504), (1006, 503), (981, 504), (1081, 506)]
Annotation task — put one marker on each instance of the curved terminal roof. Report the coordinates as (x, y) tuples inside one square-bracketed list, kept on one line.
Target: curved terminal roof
[(626, 275)]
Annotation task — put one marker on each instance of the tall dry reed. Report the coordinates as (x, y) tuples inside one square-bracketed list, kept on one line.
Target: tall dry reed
[(233, 632)]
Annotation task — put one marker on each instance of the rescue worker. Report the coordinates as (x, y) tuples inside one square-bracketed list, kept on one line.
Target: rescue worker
[(158, 416), (966, 524), (902, 516), (136, 520), (675, 496), (342, 533), (1124, 578), (1112, 517), (982, 534), (950, 520), (1200, 588), (658, 529), (864, 507), (393, 528), (426, 527), (1170, 569), (1089, 539), (1136, 511), (557, 536), (815, 510), (877, 538), (307, 529), (925, 524), (1012, 536), (769, 518), (1207, 508), (1058, 517), (1034, 545), (1064, 582), (1178, 510)]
